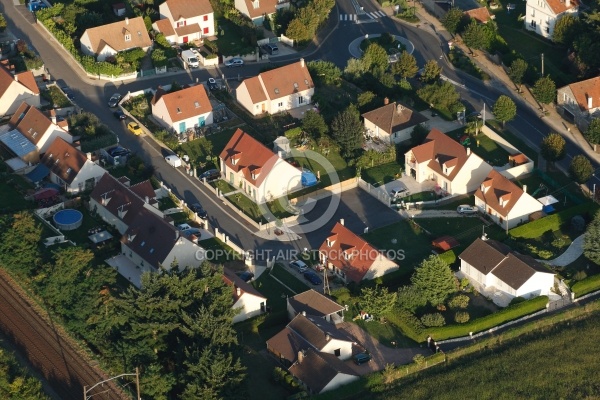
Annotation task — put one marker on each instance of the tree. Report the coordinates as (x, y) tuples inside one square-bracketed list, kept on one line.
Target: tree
[(418, 134), (435, 280), (504, 109), (453, 19), (406, 66), (591, 240), (544, 90), (325, 71), (517, 71), (410, 298), (19, 248), (314, 124), (592, 133), (375, 58), (377, 300), (439, 94), (553, 148), (347, 131), (475, 36), (2, 23), (566, 29), (581, 169), (431, 72), (365, 100)]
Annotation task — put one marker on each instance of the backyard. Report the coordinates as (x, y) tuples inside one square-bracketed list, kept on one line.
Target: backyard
[(212, 145), (381, 174), (483, 146), (229, 40)]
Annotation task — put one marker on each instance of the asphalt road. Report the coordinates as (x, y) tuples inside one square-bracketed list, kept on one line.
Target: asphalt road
[(91, 95)]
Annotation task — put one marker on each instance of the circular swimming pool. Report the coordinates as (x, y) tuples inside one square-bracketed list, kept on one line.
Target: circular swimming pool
[(68, 220)]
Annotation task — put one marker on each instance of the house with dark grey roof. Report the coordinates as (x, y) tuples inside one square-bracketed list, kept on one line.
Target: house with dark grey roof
[(494, 267), (315, 304), (320, 372), (393, 122), (305, 332), (248, 301)]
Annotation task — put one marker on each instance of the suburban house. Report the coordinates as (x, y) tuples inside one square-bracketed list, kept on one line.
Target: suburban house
[(542, 15), (506, 203), (257, 10), (481, 14), (261, 174), (314, 304), (579, 102), (491, 265), (107, 40), (70, 168), (39, 128), (440, 158), (248, 301), (304, 332), (148, 242), (321, 372), (183, 21), (392, 123), (277, 90), (15, 89), (183, 109), (351, 258)]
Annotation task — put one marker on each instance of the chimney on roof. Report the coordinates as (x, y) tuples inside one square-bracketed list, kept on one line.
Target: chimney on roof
[(327, 338), (589, 101), (525, 188), (126, 21), (89, 156), (342, 221), (300, 356), (386, 101), (399, 108), (147, 200), (304, 313), (177, 234), (568, 3), (53, 118), (16, 78), (468, 151), (238, 291), (484, 236), (302, 62)]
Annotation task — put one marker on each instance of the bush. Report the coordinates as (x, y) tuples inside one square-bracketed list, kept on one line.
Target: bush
[(517, 300), (449, 257), (579, 276), (552, 222), (587, 285), (461, 317), (459, 301), (578, 223), (342, 295), (433, 320)]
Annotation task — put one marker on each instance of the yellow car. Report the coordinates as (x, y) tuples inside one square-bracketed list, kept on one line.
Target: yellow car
[(134, 128)]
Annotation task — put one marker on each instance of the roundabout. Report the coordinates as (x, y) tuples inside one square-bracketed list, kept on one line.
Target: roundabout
[(356, 52)]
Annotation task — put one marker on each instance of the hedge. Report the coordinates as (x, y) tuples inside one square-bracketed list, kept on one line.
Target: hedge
[(510, 313), (587, 285), (552, 222)]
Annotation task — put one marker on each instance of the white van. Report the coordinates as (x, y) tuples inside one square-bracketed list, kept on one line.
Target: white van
[(173, 161), (190, 58)]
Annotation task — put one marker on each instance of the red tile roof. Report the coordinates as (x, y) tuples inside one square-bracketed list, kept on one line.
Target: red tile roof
[(28, 80), (560, 6), (113, 35), (188, 8), (441, 150), (165, 27), (231, 279), (590, 88), (394, 117), (64, 160), (250, 155), (280, 82), (31, 122), (186, 103), (264, 7), (481, 14), (499, 191)]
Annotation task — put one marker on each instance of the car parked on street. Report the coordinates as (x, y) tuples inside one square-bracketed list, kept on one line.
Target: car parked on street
[(199, 210), (210, 175), (134, 128), (114, 100), (299, 265), (271, 48), (120, 115), (312, 277), (467, 209), (234, 62)]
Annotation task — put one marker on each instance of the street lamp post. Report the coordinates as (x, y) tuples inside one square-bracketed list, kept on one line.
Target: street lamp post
[(86, 390)]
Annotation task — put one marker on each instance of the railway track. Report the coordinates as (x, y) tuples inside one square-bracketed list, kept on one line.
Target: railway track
[(65, 369)]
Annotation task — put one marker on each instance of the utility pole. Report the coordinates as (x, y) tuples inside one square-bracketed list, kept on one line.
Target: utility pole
[(137, 382), (542, 64)]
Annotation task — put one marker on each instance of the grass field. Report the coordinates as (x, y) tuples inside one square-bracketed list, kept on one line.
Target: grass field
[(381, 174)]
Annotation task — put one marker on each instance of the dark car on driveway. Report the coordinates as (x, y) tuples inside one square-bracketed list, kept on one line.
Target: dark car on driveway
[(120, 115), (246, 276), (210, 175), (198, 209), (361, 358), (312, 277)]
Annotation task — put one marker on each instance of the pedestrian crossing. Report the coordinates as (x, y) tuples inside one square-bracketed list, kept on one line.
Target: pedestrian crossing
[(355, 18)]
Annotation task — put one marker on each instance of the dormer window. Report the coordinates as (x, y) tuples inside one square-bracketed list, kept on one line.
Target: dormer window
[(69, 171), (306, 81), (127, 37), (295, 85), (34, 134), (196, 104), (255, 4), (276, 91), (178, 110)]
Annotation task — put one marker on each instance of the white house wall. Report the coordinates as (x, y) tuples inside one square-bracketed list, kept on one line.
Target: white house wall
[(161, 114), (344, 347), (469, 178), (283, 179), (89, 170), (472, 273), (380, 267), (538, 285), (243, 97), (540, 18), (526, 205), (339, 380), (14, 95), (248, 306), (187, 254), (50, 135), (108, 217), (165, 12)]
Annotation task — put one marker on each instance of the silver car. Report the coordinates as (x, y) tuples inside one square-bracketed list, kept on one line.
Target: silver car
[(467, 209), (234, 62)]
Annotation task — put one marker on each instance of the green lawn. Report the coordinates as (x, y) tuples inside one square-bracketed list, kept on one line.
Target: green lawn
[(250, 208), (166, 203), (197, 152), (221, 253), (230, 40), (280, 272), (484, 147), (381, 174), (514, 139), (340, 166), (581, 266), (80, 235), (463, 62)]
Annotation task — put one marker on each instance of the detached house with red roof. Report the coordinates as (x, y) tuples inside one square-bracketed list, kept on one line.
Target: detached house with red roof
[(579, 102), (183, 21), (248, 301), (41, 129), (393, 123), (183, 109), (107, 40), (481, 15), (442, 159), (542, 15), (16, 89), (505, 202), (257, 10), (261, 174), (351, 258), (277, 90), (70, 168)]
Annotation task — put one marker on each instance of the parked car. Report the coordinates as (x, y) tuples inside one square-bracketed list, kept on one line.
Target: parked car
[(312, 277), (210, 175), (299, 265), (246, 276), (198, 209), (118, 151), (134, 128), (114, 100), (361, 358), (184, 227), (173, 161), (212, 84), (467, 209), (234, 62), (120, 115), (192, 231), (397, 192), (271, 48), (68, 92)]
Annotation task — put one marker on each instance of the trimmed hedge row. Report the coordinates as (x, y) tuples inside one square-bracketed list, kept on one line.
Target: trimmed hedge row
[(552, 222), (587, 285), (288, 279), (510, 313)]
